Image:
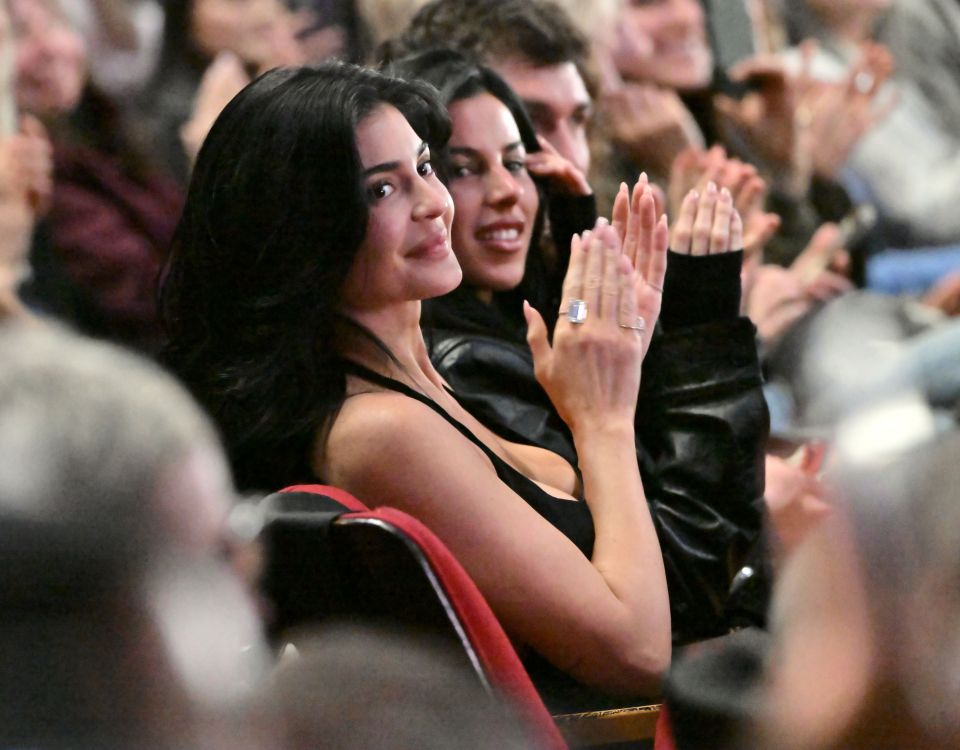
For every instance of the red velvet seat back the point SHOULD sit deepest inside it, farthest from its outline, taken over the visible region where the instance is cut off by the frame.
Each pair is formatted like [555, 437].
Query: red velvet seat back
[389, 565]
[483, 637]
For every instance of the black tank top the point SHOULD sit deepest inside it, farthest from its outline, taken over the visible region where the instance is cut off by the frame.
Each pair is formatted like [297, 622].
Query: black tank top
[571, 518]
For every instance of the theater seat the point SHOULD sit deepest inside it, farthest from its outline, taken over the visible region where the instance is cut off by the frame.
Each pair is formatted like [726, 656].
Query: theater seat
[330, 557]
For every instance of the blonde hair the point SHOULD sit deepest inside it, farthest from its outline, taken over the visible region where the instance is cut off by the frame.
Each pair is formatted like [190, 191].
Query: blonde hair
[595, 19]
[387, 18]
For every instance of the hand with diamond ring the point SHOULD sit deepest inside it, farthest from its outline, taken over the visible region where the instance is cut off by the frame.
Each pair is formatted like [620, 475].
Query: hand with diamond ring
[592, 370]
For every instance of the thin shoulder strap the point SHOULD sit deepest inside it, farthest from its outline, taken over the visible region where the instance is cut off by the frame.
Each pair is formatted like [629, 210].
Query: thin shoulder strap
[365, 373]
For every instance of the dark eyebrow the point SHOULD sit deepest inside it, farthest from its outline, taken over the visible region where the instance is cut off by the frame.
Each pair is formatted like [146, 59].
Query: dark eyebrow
[390, 166]
[535, 108]
[467, 151]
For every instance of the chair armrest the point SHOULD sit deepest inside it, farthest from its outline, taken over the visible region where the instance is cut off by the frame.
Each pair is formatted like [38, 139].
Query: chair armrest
[608, 727]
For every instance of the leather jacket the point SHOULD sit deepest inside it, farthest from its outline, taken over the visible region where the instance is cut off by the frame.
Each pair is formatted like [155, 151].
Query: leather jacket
[701, 426]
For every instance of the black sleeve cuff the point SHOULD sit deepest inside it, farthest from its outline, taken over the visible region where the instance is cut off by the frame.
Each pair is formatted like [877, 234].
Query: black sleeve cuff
[701, 289]
[569, 215]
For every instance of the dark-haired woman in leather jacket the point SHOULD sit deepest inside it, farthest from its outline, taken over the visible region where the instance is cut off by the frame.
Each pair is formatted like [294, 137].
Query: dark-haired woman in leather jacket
[701, 421]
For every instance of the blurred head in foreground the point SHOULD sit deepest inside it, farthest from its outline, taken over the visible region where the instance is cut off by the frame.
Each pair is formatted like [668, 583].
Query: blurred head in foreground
[374, 689]
[101, 655]
[867, 646]
[120, 626]
[94, 436]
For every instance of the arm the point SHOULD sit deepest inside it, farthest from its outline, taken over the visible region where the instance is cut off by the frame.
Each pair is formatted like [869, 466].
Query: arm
[25, 186]
[605, 620]
[543, 590]
[703, 425]
[700, 427]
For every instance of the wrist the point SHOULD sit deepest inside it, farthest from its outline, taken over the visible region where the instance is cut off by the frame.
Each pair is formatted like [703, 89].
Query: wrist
[701, 289]
[594, 430]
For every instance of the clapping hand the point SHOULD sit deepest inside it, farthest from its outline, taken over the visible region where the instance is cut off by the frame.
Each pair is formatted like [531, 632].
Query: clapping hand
[592, 370]
[644, 238]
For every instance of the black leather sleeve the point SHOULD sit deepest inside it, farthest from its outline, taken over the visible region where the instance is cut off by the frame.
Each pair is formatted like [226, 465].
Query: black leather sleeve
[701, 428]
[702, 425]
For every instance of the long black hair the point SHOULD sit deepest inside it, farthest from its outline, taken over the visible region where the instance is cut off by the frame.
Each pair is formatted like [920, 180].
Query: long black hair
[456, 78]
[274, 217]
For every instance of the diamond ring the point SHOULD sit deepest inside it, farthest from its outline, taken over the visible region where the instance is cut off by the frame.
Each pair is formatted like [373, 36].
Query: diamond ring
[576, 311]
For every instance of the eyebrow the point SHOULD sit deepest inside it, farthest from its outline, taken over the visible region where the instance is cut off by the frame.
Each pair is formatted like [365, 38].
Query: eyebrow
[390, 166]
[467, 151]
[535, 107]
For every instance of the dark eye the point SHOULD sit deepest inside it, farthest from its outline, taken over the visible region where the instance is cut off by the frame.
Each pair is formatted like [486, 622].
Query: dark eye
[425, 168]
[580, 117]
[542, 122]
[379, 190]
[460, 170]
[515, 165]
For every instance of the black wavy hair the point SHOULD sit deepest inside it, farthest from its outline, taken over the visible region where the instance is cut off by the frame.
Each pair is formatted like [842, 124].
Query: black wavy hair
[273, 220]
[457, 77]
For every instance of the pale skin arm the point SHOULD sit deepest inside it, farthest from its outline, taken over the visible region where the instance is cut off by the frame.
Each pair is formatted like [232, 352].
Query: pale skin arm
[25, 187]
[604, 620]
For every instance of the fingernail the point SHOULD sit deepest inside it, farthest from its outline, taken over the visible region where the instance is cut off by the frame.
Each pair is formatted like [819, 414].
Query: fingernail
[602, 221]
[623, 186]
[695, 194]
[725, 192]
[643, 177]
[711, 187]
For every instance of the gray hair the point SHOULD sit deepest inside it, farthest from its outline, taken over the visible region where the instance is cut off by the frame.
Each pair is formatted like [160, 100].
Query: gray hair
[87, 430]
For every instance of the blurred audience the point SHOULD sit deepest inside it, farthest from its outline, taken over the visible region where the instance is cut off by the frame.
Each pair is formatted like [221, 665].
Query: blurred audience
[908, 162]
[924, 38]
[98, 436]
[865, 647]
[98, 654]
[26, 170]
[375, 689]
[211, 48]
[122, 38]
[121, 625]
[113, 211]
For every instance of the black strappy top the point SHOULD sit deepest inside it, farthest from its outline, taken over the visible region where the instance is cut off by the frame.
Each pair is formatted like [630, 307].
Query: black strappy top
[572, 519]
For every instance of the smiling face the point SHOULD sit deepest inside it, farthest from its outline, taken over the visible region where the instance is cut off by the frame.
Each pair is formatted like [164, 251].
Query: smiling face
[495, 196]
[676, 53]
[405, 254]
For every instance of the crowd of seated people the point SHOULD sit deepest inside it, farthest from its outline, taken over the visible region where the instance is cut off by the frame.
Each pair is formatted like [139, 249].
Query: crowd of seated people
[658, 346]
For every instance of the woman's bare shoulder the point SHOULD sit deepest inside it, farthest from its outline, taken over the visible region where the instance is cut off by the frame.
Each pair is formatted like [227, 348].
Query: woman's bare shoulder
[378, 434]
